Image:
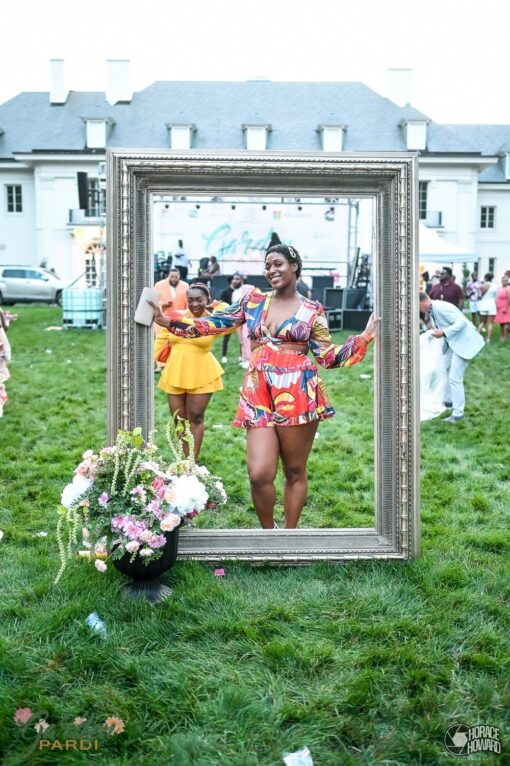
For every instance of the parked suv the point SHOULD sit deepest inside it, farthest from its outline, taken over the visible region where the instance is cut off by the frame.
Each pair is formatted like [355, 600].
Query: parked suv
[28, 284]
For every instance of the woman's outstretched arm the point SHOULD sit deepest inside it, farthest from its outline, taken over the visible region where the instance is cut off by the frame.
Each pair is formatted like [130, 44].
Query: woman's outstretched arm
[218, 323]
[328, 354]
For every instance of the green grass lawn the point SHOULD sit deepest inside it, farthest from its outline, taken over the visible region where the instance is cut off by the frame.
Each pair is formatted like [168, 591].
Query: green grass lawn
[365, 663]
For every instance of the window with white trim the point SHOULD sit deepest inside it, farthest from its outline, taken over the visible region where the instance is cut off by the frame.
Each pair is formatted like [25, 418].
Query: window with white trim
[422, 200]
[256, 137]
[487, 216]
[13, 198]
[507, 166]
[96, 198]
[332, 138]
[179, 136]
[492, 265]
[97, 133]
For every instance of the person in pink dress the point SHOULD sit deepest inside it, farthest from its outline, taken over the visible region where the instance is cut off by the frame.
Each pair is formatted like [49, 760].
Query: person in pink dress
[503, 307]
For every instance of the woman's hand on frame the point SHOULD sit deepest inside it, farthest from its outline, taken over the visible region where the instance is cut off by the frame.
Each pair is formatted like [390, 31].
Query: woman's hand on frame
[159, 317]
[372, 325]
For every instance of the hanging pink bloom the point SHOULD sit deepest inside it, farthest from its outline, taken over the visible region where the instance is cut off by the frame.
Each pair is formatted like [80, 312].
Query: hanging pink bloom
[100, 565]
[103, 499]
[157, 483]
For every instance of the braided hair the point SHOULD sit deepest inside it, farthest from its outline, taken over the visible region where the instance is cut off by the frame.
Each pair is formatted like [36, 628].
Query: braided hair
[290, 254]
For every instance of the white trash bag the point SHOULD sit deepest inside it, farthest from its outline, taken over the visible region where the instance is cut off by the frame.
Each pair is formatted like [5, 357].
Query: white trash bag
[432, 376]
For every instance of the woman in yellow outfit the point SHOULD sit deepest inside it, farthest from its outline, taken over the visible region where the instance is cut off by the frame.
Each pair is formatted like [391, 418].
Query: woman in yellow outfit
[191, 374]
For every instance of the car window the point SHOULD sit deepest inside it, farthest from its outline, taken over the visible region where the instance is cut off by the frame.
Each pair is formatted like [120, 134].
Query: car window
[14, 273]
[30, 274]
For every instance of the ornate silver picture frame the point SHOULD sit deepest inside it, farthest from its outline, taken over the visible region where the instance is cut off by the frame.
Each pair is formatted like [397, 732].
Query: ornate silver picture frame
[390, 179]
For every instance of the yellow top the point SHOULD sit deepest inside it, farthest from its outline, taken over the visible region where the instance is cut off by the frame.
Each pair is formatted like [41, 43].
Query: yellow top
[191, 364]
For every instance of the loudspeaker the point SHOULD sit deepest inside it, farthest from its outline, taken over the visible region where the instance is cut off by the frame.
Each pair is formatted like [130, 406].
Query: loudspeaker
[83, 191]
[355, 319]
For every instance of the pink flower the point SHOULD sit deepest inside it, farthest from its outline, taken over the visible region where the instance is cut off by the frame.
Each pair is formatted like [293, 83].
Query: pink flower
[161, 491]
[219, 573]
[132, 546]
[146, 536]
[103, 499]
[100, 565]
[78, 721]
[169, 522]
[192, 514]
[84, 503]
[118, 522]
[157, 483]
[170, 494]
[157, 541]
[22, 715]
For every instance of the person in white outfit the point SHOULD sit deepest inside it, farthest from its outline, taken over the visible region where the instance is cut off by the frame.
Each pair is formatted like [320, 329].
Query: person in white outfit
[487, 306]
[461, 342]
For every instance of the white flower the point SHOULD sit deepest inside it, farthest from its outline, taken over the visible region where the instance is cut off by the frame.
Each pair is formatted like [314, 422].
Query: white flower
[188, 494]
[221, 491]
[146, 552]
[202, 470]
[169, 522]
[85, 533]
[88, 454]
[74, 490]
[132, 546]
[1, 534]
[100, 565]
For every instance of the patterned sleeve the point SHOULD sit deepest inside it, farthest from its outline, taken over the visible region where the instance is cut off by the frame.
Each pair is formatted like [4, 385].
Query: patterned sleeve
[218, 323]
[327, 353]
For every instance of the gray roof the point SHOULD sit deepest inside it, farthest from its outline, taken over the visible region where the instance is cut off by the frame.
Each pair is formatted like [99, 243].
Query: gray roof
[219, 109]
[493, 140]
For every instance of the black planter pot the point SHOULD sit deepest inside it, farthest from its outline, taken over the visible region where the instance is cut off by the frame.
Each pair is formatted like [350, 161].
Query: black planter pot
[145, 577]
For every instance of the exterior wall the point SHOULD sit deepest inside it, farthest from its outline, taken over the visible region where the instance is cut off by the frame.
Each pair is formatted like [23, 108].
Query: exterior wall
[62, 245]
[17, 230]
[494, 243]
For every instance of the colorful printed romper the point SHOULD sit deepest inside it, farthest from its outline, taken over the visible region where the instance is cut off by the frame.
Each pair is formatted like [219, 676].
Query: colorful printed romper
[280, 387]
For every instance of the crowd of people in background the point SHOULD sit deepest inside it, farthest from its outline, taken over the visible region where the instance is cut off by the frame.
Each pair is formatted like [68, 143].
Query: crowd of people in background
[488, 303]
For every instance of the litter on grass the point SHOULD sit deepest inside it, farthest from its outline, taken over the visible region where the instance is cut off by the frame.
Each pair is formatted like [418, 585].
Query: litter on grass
[301, 757]
[364, 376]
[219, 573]
[54, 328]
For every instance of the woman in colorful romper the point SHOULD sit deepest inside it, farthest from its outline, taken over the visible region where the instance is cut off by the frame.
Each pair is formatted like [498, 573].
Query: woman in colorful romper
[282, 398]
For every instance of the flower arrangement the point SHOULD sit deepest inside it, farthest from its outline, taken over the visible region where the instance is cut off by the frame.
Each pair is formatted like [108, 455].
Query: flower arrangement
[123, 499]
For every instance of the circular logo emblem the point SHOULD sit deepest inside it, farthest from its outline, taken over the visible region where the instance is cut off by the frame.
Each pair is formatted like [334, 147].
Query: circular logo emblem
[456, 739]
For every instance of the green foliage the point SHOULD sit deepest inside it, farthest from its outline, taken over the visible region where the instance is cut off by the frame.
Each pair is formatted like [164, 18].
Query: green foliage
[365, 663]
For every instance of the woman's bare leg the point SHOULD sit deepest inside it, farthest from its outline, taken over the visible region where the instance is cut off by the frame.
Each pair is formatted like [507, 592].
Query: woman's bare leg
[177, 406]
[490, 325]
[504, 332]
[483, 322]
[196, 405]
[295, 445]
[262, 453]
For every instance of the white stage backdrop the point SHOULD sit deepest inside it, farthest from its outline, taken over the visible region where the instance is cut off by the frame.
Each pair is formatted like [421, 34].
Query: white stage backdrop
[238, 233]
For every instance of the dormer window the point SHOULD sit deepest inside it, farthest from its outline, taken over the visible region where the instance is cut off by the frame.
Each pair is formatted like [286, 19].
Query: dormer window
[98, 131]
[180, 136]
[507, 166]
[416, 134]
[256, 137]
[332, 137]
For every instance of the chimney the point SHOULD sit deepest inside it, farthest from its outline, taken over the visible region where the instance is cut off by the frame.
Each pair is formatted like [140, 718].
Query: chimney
[117, 81]
[58, 92]
[399, 85]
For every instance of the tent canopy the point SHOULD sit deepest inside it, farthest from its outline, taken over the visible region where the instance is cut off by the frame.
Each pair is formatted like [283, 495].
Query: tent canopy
[434, 249]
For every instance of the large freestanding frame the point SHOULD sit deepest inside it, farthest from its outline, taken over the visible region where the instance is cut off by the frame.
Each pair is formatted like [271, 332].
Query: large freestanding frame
[390, 179]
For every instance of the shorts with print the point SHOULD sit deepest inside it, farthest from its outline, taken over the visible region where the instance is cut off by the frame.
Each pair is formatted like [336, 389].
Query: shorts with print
[281, 389]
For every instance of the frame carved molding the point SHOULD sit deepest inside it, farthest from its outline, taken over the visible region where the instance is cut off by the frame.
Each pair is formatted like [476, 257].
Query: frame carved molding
[390, 179]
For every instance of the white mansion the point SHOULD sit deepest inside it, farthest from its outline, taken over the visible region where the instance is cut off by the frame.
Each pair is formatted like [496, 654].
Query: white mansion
[47, 139]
